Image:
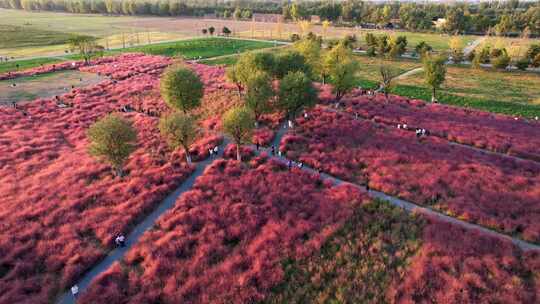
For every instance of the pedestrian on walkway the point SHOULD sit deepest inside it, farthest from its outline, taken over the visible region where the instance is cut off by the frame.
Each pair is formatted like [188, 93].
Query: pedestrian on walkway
[75, 290]
[257, 145]
[273, 150]
[211, 152]
[120, 240]
[289, 165]
[216, 149]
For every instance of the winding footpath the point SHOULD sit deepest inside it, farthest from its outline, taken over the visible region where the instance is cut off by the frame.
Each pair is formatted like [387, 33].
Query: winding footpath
[132, 238]
[409, 206]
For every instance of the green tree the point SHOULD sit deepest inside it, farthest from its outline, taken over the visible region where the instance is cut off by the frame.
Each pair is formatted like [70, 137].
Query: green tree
[112, 139]
[181, 88]
[86, 46]
[290, 61]
[342, 78]
[311, 50]
[180, 130]
[238, 123]
[259, 92]
[226, 31]
[434, 72]
[211, 30]
[248, 64]
[237, 14]
[422, 48]
[504, 25]
[296, 92]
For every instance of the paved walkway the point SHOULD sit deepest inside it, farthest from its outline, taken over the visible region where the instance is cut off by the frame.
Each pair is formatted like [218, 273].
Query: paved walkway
[118, 253]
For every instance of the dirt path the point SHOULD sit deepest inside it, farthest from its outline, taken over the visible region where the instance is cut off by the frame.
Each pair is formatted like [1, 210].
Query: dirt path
[132, 238]
[408, 73]
[468, 49]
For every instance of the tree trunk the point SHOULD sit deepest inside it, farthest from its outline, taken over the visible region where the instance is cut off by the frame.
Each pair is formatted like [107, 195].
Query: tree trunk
[188, 157]
[238, 156]
[433, 99]
[119, 172]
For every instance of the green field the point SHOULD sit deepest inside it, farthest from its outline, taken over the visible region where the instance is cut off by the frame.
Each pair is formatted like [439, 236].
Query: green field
[44, 85]
[369, 67]
[198, 48]
[189, 49]
[513, 87]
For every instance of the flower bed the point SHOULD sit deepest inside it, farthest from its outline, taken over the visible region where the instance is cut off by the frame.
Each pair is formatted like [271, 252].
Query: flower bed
[496, 132]
[225, 240]
[383, 255]
[60, 208]
[455, 265]
[493, 191]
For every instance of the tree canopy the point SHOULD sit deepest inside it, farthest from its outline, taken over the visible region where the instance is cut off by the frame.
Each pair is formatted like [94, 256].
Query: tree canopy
[112, 139]
[434, 72]
[181, 88]
[180, 130]
[296, 92]
[259, 92]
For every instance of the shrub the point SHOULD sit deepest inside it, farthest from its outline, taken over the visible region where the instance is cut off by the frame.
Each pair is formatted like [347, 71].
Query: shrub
[522, 64]
[501, 62]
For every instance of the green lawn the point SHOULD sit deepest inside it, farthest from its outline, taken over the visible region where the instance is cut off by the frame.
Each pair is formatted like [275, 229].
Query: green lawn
[193, 48]
[369, 67]
[11, 66]
[490, 105]
[513, 87]
[221, 61]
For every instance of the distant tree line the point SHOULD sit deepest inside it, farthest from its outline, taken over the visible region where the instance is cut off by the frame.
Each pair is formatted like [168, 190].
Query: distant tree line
[504, 17]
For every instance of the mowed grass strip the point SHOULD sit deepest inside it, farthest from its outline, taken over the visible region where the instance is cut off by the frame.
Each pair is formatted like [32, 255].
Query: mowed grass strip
[198, 48]
[12, 66]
